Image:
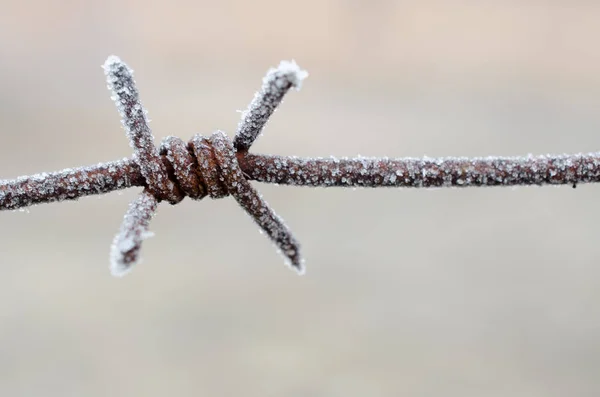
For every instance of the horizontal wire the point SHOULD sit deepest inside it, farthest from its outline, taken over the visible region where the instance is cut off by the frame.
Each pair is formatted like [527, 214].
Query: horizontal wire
[423, 172]
[218, 166]
[71, 184]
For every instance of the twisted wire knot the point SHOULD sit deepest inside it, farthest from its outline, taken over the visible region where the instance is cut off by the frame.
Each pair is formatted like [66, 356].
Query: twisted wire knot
[204, 166]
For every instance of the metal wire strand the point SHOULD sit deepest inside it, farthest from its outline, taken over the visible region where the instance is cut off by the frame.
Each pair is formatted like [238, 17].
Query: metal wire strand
[217, 166]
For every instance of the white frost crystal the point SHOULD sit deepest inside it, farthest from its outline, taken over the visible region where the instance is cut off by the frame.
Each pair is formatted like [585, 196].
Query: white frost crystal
[275, 85]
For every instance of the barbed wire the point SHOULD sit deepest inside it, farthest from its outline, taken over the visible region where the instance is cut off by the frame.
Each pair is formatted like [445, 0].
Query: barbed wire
[217, 166]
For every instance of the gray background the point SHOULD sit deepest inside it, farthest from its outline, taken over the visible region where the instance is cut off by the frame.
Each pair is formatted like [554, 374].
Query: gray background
[424, 292]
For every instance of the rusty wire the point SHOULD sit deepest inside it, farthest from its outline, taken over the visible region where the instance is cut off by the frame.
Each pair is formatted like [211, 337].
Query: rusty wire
[217, 166]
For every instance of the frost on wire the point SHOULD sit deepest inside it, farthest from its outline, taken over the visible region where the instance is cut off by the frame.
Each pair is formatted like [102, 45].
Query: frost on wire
[423, 172]
[217, 167]
[69, 184]
[124, 252]
[275, 85]
[251, 201]
[205, 166]
[134, 119]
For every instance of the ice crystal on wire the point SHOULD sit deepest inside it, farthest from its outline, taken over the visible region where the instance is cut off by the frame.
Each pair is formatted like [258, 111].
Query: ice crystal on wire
[253, 203]
[68, 184]
[214, 171]
[275, 85]
[134, 119]
[124, 252]
[424, 172]
[218, 167]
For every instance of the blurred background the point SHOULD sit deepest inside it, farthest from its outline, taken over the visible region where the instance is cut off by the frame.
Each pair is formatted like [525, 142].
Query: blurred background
[408, 292]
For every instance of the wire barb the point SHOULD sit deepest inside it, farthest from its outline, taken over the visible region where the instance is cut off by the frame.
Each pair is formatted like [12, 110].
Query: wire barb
[204, 166]
[276, 84]
[124, 252]
[217, 166]
[133, 117]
